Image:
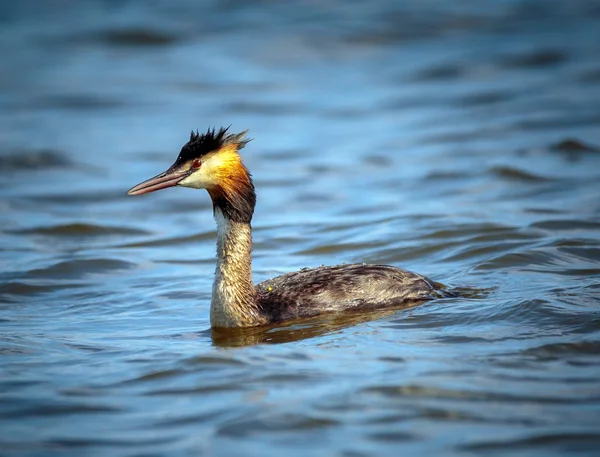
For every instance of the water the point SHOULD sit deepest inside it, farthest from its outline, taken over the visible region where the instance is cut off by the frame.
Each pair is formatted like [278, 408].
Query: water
[460, 140]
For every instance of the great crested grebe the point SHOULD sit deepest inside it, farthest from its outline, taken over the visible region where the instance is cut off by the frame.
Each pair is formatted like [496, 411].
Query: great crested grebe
[211, 161]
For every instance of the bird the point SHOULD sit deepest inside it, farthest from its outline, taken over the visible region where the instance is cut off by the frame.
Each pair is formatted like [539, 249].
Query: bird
[212, 161]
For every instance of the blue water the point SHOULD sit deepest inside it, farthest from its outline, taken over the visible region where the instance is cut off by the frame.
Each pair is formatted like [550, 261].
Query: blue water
[460, 140]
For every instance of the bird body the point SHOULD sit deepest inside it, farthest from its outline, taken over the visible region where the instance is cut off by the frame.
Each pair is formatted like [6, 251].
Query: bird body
[211, 161]
[353, 287]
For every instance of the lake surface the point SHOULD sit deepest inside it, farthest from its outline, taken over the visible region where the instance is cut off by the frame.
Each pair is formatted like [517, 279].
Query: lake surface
[460, 140]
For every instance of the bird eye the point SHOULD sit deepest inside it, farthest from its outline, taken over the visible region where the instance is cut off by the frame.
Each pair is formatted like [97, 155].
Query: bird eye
[197, 163]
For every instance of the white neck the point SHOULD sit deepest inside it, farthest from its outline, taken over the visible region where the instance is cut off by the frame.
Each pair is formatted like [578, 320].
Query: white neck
[233, 300]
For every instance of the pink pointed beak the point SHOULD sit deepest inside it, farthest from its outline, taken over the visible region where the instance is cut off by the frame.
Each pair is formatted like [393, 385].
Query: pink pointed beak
[164, 180]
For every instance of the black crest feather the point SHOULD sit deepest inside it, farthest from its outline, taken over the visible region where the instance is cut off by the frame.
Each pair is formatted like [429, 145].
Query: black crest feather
[201, 144]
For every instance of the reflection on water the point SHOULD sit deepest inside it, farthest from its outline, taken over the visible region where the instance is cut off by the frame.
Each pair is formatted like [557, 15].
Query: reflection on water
[296, 331]
[460, 140]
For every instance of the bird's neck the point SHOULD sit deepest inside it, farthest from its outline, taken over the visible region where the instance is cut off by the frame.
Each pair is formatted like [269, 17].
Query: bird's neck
[233, 300]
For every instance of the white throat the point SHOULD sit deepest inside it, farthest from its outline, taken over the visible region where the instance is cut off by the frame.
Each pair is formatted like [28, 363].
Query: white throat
[233, 297]
[223, 227]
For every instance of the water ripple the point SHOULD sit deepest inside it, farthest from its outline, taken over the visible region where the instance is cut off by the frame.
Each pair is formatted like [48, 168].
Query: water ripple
[79, 229]
[75, 269]
[28, 160]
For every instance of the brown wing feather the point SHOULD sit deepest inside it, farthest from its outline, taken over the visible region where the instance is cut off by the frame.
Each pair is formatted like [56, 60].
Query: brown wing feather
[314, 291]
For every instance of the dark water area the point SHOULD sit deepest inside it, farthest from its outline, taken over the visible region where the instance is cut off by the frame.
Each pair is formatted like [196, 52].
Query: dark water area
[459, 139]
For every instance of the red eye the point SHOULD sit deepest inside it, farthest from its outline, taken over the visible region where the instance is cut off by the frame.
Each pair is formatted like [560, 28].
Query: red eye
[197, 163]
